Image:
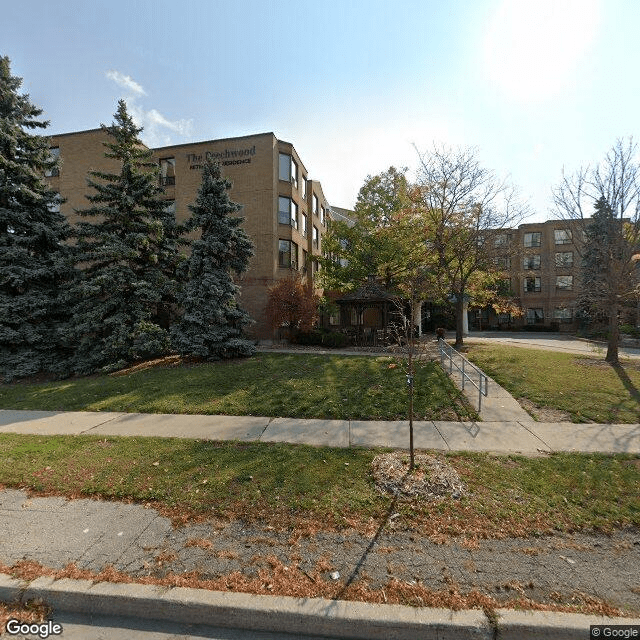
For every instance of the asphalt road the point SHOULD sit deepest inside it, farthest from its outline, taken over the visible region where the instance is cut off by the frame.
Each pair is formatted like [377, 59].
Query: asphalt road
[549, 341]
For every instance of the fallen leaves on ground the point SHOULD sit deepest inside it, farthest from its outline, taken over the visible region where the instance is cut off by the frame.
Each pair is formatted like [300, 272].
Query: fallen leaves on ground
[289, 580]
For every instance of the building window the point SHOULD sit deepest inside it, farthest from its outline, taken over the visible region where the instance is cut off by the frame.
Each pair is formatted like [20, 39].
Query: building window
[334, 319]
[535, 316]
[304, 225]
[532, 285]
[564, 258]
[322, 214]
[533, 239]
[564, 282]
[303, 187]
[531, 262]
[303, 266]
[170, 207]
[316, 237]
[167, 171]
[287, 254]
[284, 167]
[315, 204]
[287, 169]
[287, 212]
[54, 154]
[500, 240]
[502, 262]
[356, 317]
[562, 236]
[504, 287]
[563, 314]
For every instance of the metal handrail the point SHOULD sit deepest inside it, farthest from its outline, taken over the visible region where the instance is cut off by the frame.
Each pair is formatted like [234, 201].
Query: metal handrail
[483, 382]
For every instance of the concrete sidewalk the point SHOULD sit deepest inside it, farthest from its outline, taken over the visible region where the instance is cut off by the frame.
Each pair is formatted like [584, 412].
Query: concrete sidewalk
[507, 436]
[94, 533]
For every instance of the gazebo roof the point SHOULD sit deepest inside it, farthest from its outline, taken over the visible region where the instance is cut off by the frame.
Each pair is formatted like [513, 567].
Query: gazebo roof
[368, 292]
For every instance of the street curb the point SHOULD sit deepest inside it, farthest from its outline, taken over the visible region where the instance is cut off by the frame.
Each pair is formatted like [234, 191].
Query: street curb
[533, 625]
[335, 618]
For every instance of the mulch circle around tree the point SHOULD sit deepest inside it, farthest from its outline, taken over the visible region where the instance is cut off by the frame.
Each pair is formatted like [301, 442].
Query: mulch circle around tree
[432, 479]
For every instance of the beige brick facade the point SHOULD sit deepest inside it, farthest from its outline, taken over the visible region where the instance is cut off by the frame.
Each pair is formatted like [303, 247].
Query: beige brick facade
[267, 175]
[543, 261]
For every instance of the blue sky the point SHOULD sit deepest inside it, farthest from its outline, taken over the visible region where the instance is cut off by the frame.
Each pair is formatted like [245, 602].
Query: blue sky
[534, 85]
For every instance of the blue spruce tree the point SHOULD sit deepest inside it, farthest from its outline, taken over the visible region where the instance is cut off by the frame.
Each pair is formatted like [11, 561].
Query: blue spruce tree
[34, 259]
[126, 255]
[212, 323]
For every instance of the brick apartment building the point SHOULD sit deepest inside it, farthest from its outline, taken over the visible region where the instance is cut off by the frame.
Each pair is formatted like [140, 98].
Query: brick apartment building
[285, 212]
[543, 263]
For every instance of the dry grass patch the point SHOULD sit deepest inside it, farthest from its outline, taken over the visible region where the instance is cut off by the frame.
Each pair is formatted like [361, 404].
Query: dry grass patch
[276, 578]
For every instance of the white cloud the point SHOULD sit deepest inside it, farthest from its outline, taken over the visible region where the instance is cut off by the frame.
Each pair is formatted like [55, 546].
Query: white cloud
[126, 82]
[157, 128]
[532, 49]
[154, 125]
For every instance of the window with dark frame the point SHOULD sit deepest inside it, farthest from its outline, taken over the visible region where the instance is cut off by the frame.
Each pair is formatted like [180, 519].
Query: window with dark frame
[533, 239]
[562, 236]
[564, 314]
[167, 171]
[287, 212]
[532, 285]
[54, 153]
[287, 254]
[535, 316]
[531, 262]
[564, 283]
[564, 258]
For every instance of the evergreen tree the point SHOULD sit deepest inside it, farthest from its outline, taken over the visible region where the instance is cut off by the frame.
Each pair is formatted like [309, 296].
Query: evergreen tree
[212, 324]
[126, 254]
[34, 259]
[597, 255]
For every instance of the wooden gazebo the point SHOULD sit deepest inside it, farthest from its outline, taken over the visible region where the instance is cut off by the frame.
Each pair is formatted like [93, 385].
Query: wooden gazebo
[365, 313]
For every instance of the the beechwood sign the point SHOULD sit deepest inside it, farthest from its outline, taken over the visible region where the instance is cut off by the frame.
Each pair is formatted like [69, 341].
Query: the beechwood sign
[225, 158]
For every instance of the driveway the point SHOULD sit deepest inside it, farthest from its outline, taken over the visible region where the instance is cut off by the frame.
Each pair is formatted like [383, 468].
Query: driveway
[549, 341]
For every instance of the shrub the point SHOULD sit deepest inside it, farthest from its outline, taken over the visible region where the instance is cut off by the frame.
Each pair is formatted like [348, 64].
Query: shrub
[335, 340]
[308, 337]
[630, 330]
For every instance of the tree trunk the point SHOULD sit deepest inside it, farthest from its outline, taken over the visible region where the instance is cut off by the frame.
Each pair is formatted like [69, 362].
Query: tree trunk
[459, 320]
[614, 336]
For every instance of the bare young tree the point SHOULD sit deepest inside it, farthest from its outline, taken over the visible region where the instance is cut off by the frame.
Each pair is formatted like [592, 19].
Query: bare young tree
[463, 207]
[611, 191]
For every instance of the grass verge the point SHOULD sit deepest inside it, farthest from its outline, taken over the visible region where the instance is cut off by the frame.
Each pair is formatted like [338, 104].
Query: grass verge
[301, 487]
[283, 385]
[587, 388]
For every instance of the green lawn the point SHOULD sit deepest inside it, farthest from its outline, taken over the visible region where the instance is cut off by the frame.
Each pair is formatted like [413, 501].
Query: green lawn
[586, 387]
[290, 485]
[281, 385]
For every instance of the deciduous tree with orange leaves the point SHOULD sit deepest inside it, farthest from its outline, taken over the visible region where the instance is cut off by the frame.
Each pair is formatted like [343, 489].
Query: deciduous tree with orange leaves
[292, 303]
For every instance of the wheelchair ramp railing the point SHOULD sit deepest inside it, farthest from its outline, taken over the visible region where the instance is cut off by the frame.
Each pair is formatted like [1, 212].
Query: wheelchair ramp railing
[467, 370]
